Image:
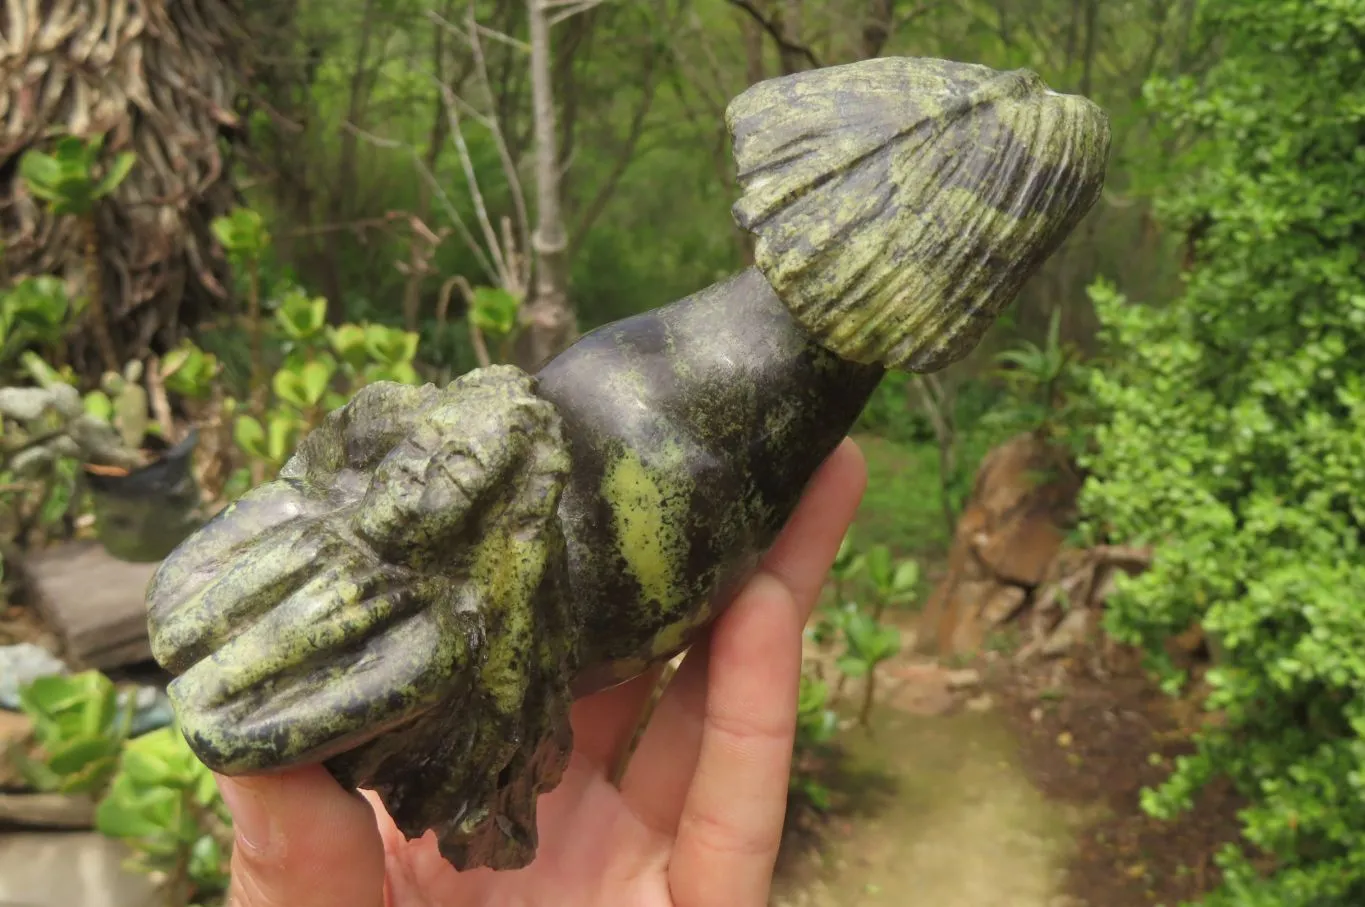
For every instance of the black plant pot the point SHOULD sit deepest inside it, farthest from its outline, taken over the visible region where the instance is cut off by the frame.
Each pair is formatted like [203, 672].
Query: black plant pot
[142, 515]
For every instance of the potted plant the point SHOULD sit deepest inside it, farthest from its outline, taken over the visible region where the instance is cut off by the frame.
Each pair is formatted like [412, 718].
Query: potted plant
[145, 496]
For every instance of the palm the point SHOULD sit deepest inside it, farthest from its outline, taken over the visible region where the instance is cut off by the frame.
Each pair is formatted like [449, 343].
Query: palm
[596, 846]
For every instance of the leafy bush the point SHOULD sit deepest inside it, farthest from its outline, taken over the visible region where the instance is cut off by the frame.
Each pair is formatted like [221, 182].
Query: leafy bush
[891, 414]
[151, 791]
[1233, 441]
[79, 726]
[817, 724]
[33, 313]
[323, 366]
[1044, 392]
[165, 805]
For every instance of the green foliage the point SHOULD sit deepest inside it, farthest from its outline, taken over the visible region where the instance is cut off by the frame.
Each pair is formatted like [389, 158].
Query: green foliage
[189, 371]
[68, 180]
[150, 791]
[122, 402]
[893, 583]
[322, 367]
[166, 806]
[1044, 391]
[816, 726]
[79, 727]
[1233, 440]
[494, 311]
[890, 414]
[33, 313]
[898, 506]
[866, 641]
[243, 236]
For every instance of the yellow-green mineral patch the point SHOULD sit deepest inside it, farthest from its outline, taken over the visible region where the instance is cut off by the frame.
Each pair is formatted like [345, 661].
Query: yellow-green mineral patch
[649, 506]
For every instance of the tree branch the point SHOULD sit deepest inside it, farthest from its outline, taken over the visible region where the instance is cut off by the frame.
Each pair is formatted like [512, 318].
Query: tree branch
[775, 32]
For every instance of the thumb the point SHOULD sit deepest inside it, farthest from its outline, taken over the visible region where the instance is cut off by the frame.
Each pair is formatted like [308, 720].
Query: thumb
[302, 841]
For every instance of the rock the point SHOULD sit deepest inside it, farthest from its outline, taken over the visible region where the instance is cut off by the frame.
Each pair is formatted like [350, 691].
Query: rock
[924, 693]
[964, 678]
[1001, 605]
[983, 703]
[1029, 489]
[22, 664]
[151, 709]
[82, 869]
[1005, 542]
[66, 811]
[1072, 631]
[14, 730]
[95, 603]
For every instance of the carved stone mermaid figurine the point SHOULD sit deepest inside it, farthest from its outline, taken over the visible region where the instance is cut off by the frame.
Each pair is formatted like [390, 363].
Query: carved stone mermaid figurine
[439, 571]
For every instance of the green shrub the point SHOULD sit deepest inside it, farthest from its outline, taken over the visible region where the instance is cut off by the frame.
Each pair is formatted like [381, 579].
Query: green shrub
[79, 727]
[1234, 440]
[150, 791]
[893, 412]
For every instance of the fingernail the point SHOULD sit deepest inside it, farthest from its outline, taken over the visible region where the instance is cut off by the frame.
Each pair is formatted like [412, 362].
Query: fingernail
[251, 818]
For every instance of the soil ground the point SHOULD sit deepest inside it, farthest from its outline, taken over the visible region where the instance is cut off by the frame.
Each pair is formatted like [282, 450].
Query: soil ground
[1023, 792]
[933, 811]
[1121, 734]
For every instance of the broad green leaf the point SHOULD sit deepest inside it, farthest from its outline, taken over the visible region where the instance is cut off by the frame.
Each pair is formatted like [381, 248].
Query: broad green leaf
[906, 579]
[116, 174]
[250, 436]
[348, 341]
[118, 817]
[879, 568]
[41, 174]
[300, 316]
[288, 386]
[145, 767]
[852, 666]
[494, 311]
[99, 406]
[283, 433]
[77, 755]
[315, 377]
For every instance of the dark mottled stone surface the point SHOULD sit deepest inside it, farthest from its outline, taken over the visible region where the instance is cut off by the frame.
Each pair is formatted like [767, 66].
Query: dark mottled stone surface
[693, 429]
[899, 204]
[433, 576]
[394, 605]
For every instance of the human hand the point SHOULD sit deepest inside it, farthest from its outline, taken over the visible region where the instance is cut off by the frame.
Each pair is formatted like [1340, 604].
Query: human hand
[695, 822]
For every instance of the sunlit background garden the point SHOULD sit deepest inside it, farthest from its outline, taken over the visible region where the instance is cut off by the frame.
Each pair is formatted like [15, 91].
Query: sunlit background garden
[1096, 636]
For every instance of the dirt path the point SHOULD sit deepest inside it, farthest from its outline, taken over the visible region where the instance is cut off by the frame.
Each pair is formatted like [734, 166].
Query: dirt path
[938, 813]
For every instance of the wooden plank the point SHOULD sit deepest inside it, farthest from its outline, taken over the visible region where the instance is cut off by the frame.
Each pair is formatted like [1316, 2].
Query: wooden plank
[95, 603]
[69, 811]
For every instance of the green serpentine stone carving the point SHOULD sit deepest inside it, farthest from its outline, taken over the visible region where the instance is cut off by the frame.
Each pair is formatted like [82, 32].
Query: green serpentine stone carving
[438, 572]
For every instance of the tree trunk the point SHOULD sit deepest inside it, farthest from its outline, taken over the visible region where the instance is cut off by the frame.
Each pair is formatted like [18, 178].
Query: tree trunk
[548, 317]
[791, 19]
[877, 27]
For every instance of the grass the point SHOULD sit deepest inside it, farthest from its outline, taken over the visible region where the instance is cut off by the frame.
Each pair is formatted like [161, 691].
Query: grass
[901, 506]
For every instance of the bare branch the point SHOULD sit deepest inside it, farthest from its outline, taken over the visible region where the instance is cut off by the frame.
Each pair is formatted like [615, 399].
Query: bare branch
[775, 31]
[161, 406]
[509, 166]
[469, 39]
[624, 156]
[570, 8]
[472, 181]
[435, 185]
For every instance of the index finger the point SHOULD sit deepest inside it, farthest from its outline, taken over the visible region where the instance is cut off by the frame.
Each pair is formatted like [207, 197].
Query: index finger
[731, 823]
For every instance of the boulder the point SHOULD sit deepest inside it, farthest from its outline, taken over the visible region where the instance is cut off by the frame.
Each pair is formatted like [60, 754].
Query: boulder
[1023, 499]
